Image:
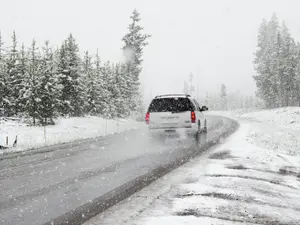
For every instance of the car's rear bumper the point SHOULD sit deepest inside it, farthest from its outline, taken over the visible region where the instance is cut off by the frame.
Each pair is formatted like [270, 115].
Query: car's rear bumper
[180, 130]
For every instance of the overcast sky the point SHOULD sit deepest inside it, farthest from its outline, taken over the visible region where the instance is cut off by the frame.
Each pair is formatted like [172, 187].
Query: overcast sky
[213, 39]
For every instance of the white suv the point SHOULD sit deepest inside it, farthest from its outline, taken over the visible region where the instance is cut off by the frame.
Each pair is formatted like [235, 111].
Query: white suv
[176, 112]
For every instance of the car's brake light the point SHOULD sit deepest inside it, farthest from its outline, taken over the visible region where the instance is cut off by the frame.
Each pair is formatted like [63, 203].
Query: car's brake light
[147, 118]
[193, 117]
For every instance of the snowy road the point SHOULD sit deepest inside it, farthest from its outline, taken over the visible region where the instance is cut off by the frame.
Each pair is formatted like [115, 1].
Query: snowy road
[38, 188]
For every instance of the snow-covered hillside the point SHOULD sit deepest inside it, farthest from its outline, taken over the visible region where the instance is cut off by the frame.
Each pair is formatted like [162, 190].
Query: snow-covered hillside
[280, 130]
[288, 117]
[65, 130]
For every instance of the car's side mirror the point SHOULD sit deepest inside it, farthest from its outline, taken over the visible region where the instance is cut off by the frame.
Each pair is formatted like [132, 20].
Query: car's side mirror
[204, 108]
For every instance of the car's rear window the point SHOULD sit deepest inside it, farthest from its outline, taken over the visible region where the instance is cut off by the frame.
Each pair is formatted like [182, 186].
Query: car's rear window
[171, 105]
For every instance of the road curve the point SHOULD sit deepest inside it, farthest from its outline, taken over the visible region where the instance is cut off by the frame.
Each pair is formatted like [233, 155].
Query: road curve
[76, 182]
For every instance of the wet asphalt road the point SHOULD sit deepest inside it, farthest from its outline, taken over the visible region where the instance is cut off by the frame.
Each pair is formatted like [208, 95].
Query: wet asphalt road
[37, 188]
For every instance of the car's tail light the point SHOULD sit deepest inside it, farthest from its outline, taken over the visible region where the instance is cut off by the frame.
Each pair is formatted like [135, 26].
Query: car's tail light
[147, 118]
[193, 117]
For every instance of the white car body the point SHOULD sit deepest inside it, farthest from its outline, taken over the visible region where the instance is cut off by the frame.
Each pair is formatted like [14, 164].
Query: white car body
[176, 112]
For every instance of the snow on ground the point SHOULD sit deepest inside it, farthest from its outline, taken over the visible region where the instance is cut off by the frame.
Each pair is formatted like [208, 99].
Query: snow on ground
[65, 130]
[279, 130]
[285, 138]
[250, 179]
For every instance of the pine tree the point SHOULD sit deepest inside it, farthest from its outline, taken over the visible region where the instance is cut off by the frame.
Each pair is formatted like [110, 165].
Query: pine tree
[116, 97]
[280, 75]
[11, 91]
[134, 43]
[19, 80]
[273, 58]
[260, 61]
[23, 74]
[113, 91]
[121, 93]
[287, 67]
[100, 83]
[73, 96]
[92, 94]
[64, 80]
[3, 78]
[31, 95]
[48, 88]
[108, 79]
[77, 95]
[293, 66]
[297, 76]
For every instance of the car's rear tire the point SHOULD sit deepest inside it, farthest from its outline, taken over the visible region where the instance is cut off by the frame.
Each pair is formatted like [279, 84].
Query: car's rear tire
[198, 132]
[199, 127]
[205, 127]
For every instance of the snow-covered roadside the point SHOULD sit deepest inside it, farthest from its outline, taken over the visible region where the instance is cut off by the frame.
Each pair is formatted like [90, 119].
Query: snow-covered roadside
[279, 130]
[243, 181]
[65, 130]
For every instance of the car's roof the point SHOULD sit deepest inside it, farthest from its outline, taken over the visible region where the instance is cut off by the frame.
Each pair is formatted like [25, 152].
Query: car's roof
[173, 96]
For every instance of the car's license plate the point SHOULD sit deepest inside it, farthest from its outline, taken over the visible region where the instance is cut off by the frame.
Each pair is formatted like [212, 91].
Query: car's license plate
[169, 117]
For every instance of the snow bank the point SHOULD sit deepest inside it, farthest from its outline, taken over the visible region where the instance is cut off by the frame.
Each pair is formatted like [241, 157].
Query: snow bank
[288, 117]
[279, 130]
[65, 130]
